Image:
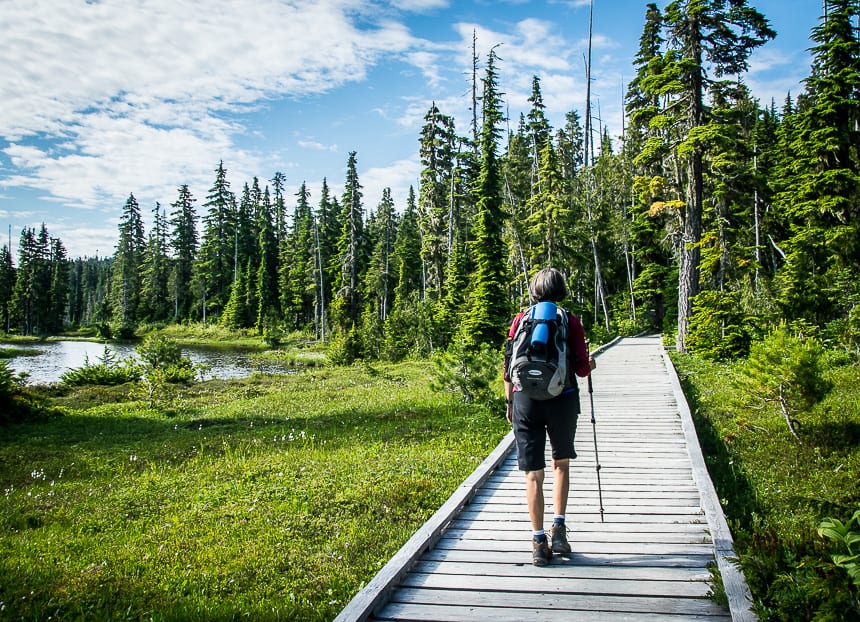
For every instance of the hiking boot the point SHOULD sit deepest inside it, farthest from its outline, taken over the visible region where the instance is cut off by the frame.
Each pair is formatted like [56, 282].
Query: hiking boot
[559, 539]
[541, 553]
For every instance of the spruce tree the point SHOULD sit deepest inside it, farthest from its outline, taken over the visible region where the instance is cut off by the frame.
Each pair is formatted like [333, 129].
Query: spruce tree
[538, 133]
[214, 266]
[821, 195]
[703, 36]
[266, 282]
[298, 257]
[155, 271]
[7, 285]
[126, 270]
[549, 213]
[59, 292]
[350, 248]
[183, 241]
[407, 252]
[31, 301]
[436, 151]
[380, 280]
[486, 322]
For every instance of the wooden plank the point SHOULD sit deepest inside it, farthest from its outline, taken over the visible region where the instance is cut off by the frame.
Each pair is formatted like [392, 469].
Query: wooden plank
[644, 529]
[632, 573]
[448, 613]
[577, 537]
[629, 548]
[559, 585]
[565, 602]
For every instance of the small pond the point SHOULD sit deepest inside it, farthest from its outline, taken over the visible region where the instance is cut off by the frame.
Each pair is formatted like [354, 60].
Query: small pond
[53, 358]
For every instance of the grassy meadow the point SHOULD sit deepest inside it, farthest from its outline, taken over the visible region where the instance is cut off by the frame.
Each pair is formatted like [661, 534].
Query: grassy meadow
[269, 498]
[776, 489]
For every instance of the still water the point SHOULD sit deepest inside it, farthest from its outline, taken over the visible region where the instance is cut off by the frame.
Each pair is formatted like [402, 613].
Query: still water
[56, 357]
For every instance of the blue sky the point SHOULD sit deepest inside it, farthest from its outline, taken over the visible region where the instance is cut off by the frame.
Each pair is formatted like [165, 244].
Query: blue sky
[102, 98]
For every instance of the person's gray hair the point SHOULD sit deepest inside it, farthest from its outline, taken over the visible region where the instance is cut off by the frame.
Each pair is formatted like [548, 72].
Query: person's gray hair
[548, 285]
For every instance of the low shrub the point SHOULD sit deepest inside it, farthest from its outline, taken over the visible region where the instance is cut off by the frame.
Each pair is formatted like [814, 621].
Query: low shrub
[108, 371]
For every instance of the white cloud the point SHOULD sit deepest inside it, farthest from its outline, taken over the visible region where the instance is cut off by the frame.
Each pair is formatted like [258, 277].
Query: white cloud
[138, 96]
[317, 146]
[420, 6]
[398, 177]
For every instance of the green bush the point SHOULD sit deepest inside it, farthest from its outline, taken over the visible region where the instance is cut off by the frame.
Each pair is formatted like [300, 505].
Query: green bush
[15, 406]
[108, 371]
[470, 374]
[719, 328]
[163, 361]
[784, 372]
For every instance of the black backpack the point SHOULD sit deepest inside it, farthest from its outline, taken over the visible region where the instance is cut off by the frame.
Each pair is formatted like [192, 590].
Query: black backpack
[538, 355]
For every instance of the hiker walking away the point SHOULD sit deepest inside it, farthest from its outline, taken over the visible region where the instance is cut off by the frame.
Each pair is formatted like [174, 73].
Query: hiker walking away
[536, 413]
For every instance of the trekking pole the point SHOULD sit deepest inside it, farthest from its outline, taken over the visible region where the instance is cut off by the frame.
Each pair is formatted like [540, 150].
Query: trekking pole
[594, 429]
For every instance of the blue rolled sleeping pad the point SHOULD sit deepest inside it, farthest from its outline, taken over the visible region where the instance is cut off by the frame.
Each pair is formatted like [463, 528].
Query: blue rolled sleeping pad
[542, 311]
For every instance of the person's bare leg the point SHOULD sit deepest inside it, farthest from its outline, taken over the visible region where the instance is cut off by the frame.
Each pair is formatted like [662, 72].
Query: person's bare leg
[560, 485]
[541, 553]
[560, 489]
[534, 497]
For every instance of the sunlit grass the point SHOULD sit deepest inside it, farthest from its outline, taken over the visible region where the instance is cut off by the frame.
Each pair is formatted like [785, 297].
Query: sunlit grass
[267, 498]
[776, 489]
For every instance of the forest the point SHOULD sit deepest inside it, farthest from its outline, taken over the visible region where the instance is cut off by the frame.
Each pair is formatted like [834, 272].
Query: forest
[716, 218]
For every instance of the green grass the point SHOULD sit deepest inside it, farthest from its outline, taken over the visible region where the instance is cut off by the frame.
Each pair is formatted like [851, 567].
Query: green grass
[775, 490]
[268, 498]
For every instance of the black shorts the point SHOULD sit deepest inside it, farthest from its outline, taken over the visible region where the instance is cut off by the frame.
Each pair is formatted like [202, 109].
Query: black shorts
[534, 420]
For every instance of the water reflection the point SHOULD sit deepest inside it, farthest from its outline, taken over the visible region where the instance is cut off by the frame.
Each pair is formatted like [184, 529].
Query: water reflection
[56, 357]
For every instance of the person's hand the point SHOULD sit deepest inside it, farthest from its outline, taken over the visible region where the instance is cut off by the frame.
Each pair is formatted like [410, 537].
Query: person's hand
[509, 413]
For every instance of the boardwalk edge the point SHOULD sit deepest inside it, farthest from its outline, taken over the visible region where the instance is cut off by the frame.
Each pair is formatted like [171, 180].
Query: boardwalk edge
[375, 594]
[737, 590]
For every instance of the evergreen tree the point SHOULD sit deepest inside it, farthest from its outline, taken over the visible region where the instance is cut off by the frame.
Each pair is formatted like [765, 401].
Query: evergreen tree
[350, 248]
[236, 314]
[279, 181]
[328, 232]
[7, 285]
[214, 266]
[549, 214]
[183, 241]
[31, 294]
[268, 309]
[436, 151]
[490, 308]
[820, 197]
[59, 292]
[155, 272]
[407, 252]
[517, 173]
[298, 257]
[701, 34]
[380, 281]
[127, 264]
[245, 238]
[539, 133]
[654, 227]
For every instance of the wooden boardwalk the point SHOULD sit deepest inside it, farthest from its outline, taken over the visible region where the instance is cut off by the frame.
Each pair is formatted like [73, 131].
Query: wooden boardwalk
[648, 560]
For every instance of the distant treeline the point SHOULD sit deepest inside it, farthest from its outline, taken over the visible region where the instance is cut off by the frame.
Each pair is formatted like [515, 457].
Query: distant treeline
[716, 219]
